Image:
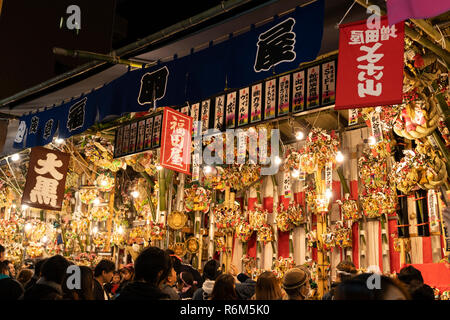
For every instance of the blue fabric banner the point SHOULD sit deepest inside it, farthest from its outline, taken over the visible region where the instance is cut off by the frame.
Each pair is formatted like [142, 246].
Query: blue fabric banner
[273, 48]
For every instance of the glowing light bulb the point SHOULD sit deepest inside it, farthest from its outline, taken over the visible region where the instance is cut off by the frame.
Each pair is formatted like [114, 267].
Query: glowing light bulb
[44, 239]
[295, 173]
[159, 167]
[135, 194]
[299, 135]
[372, 141]
[278, 160]
[339, 157]
[207, 169]
[96, 201]
[14, 206]
[28, 227]
[328, 193]
[120, 230]
[59, 140]
[95, 230]
[15, 157]
[104, 183]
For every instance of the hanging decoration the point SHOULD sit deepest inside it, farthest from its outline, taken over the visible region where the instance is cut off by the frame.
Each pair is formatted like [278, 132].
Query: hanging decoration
[157, 230]
[417, 118]
[197, 199]
[226, 219]
[244, 230]
[88, 195]
[281, 266]
[264, 234]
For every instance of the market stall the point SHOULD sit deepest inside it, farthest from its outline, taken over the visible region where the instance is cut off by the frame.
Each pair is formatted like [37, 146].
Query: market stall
[264, 176]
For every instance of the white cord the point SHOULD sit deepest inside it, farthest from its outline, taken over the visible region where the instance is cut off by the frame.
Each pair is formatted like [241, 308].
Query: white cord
[442, 40]
[345, 15]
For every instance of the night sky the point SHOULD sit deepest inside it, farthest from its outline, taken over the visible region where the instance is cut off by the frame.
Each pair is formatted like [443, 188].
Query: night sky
[30, 29]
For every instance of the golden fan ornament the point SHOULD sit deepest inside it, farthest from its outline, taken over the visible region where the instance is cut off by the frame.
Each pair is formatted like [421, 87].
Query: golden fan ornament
[177, 220]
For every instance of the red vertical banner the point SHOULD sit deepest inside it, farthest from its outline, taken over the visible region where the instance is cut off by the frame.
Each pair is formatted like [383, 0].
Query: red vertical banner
[176, 141]
[370, 68]
[394, 256]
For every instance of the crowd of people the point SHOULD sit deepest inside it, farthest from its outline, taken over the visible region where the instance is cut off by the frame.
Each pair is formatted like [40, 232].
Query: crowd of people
[160, 275]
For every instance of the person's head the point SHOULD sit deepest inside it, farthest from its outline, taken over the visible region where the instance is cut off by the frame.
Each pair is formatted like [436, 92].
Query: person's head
[268, 287]
[211, 270]
[345, 270]
[2, 253]
[104, 270]
[86, 289]
[24, 276]
[176, 261]
[38, 266]
[423, 292]
[127, 273]
[370, 286]
[116, 277]
[4, 268]
[296, 284]
[186, 282]
[242, 277]
[224, 288]
[11, 268]
[54, 269]
[410, 276]
[152, 266]
[171, 277]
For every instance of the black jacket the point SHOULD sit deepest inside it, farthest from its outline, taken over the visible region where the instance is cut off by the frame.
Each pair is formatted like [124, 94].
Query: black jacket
[330, 294]
[246, 290]
[10, 289]
[31, 283]
[141, 291]
[44, 290]
[99, 292]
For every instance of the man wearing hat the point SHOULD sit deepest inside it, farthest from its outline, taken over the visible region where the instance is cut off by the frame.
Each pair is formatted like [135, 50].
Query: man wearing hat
[296, 284]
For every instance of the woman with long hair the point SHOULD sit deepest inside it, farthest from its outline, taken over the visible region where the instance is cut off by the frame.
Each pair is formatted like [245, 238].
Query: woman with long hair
[224, 288]
[86, 291]
[268, 287]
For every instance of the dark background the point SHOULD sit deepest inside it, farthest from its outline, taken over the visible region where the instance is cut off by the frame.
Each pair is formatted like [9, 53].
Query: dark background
[29, 30]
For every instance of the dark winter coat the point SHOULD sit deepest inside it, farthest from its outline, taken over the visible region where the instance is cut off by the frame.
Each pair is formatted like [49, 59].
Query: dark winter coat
[246, 290]
[44, 290]
[99, 292]
[141, 291]
[10, 289]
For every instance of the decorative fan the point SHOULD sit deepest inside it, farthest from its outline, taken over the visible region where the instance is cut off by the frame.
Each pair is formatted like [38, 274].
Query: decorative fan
[177, 220]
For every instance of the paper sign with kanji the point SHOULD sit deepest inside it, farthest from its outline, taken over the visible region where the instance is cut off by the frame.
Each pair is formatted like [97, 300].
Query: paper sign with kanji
[370, 71]
[46, 179]
[176, 141]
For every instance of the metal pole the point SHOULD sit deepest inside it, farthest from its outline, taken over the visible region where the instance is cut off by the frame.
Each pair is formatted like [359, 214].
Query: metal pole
[98, 56]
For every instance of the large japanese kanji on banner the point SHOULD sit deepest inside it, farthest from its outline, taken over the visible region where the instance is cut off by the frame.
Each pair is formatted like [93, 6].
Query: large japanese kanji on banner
[176, 141]
[46, 179]
[370, 65]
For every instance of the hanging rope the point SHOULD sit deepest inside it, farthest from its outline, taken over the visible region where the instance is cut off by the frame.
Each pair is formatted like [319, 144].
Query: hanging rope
[345, 15]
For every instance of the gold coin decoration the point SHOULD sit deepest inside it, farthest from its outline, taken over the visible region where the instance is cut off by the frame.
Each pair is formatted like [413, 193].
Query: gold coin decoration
[177, 220]
[192, 245]
[180, 249]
